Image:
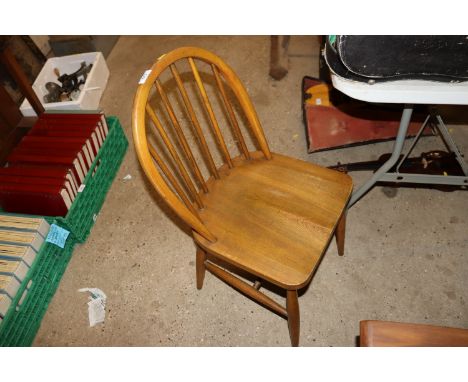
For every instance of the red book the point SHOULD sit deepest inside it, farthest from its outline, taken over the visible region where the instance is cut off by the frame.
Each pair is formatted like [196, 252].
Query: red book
[49, 200]
[87, 132]
[97, 119]
[55, 146]
[60, 172]
[92, 118]
[34, 180]
[28, 157]
[54, 152]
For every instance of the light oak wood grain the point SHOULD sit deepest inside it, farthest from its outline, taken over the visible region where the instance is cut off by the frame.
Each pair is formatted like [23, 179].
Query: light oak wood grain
[261, 212]
[274, 218]
[292, 306]
[387, 333]
[200, 267]
[340, 234]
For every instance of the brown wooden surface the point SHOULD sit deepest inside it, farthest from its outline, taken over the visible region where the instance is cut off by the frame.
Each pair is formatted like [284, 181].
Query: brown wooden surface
[386, 333]
[292, 306]
[200, 267]
[141, 109]
[340, 234]
[175, 156]
[274, 218]
[209, 110]
[229, 109]
[9, 141]
[172, 180]
[181, 136]
[267, 214]
[245, 288]
[13, 126]
[10, 63]
[194, 121]
[9, 110]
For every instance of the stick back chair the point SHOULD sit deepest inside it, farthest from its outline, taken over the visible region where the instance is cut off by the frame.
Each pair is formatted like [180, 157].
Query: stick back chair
[259, 212]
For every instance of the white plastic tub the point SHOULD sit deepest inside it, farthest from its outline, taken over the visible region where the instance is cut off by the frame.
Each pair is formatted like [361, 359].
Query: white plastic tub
[91, 91]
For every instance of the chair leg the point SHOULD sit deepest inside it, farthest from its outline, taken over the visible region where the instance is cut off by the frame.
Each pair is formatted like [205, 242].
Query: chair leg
[292, 306]
[340, 234]
[200, 267]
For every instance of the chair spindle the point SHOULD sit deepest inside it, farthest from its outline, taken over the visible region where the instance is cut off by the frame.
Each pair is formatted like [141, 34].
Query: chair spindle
[232, 117]
[195, 123]
[172, 180]
[183, 172]
[209, 109]
[181, 136]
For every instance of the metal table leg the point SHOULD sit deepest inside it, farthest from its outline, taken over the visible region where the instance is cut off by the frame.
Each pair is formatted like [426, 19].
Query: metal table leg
[384, 175]
[397, 149]
[448, 140]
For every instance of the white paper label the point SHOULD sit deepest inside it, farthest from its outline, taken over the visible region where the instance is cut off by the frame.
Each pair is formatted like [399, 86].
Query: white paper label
[96, 305]
[144, 76]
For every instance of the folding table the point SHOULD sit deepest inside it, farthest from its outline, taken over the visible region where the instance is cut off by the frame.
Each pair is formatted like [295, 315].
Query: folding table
[407, 92]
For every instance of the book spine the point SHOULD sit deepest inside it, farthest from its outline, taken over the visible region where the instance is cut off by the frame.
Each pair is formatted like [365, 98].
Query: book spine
[34, 240]
[5, 303]
[24, 224]
[17, 269]
[9, 286]
[26, 254]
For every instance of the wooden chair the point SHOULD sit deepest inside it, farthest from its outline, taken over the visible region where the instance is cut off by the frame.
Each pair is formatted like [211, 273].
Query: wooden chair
[260, 212]
[387, 333]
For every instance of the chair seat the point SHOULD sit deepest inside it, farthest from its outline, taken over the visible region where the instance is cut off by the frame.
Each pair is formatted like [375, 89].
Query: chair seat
[274, 218]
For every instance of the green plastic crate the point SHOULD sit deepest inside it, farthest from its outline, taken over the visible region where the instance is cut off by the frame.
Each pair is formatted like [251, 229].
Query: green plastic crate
[87, 204]
[83, 212]
[21, 323]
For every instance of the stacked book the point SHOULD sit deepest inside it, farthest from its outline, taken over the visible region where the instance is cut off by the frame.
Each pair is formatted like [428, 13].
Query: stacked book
[20, 240]
[45, 172]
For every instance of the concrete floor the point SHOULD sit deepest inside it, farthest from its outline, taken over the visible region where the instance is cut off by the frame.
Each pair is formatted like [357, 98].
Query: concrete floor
[406, 256]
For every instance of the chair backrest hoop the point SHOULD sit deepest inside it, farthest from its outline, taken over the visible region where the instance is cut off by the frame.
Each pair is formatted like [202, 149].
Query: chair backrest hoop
[139, 125]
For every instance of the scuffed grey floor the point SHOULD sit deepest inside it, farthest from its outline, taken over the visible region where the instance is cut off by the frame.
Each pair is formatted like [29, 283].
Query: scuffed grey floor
[406, 257]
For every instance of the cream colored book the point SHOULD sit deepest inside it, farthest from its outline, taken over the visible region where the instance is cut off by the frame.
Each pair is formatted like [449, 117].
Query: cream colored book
[25, 223]
[34, 239]
[72, 179]
[70, 190]
[99, 135]
[83, 164]
[17, 269]
[5, 303]
[9, 286]
[104, 124]
[16, 252]
[96, 144]
[101, 130]
[79, 170]
[90, 149]
[85, 151]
